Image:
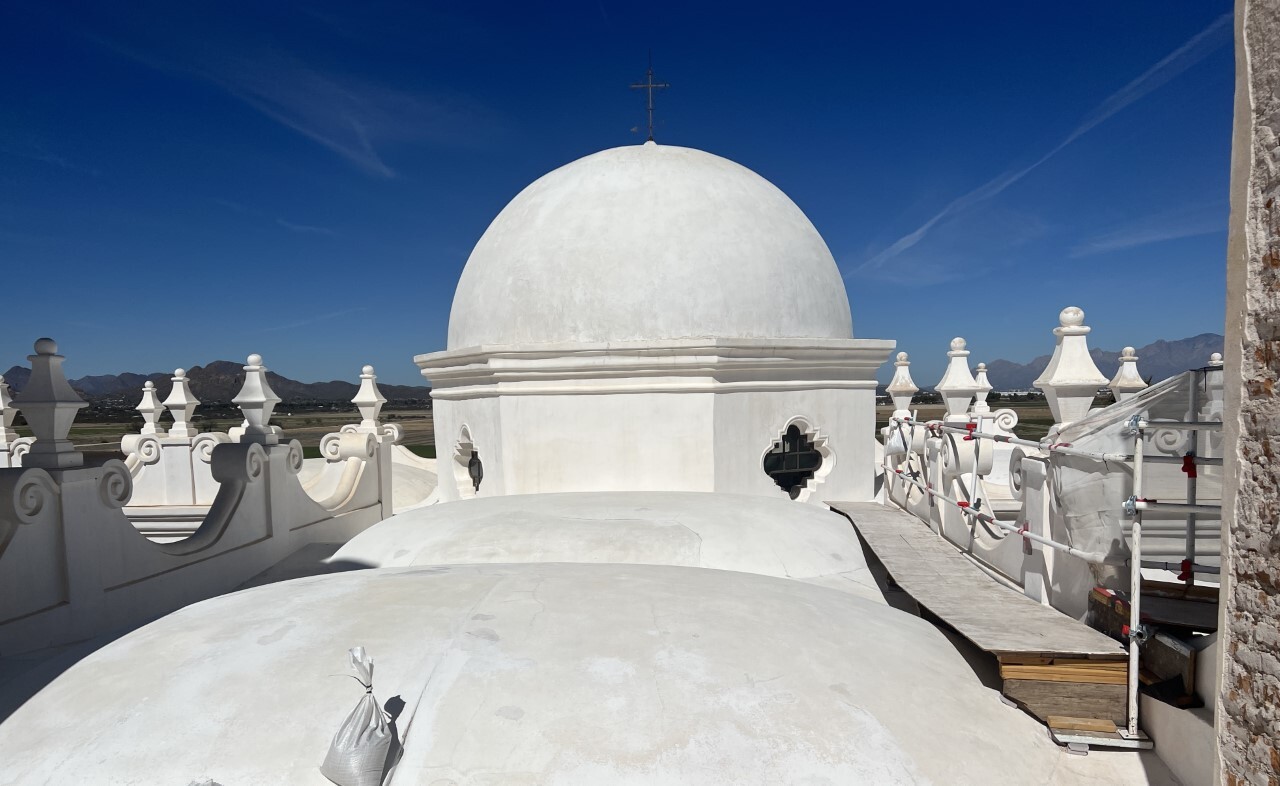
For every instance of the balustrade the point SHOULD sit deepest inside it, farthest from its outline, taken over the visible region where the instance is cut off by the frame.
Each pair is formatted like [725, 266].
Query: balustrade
[73, 565]
[971, 479]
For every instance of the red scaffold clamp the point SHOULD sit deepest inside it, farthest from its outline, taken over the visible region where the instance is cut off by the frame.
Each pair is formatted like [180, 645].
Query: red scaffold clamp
[1189, 465]
[969, 427]
[1186, 574]
[1026, 542]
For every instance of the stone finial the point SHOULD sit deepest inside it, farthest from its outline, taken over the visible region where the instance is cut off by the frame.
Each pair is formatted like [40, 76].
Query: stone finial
[1071, 380]
[369, 401]
[257, 401]
[901, 388]
[50, 406]
[1127, 381]
[1211, 405]
[182, 405]
[7, 434]
[151, 409]
[980, 406]
[957, 386]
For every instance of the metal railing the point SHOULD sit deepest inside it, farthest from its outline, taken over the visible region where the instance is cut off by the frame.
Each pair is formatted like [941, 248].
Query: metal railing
[1134, 507]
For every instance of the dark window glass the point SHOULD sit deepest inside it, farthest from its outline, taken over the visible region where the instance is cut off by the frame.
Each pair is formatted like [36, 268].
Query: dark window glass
[475, 469]
[792, 461]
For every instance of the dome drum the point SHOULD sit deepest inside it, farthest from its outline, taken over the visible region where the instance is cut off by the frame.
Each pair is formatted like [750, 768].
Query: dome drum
[652, 318]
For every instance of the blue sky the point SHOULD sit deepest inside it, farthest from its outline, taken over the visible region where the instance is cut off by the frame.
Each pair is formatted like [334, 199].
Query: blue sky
[184, 182]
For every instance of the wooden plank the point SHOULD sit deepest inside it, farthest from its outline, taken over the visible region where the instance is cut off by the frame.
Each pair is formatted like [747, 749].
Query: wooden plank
[1017, 659]
[1072, 699]
[1186, 613]
[1116, 665]
[1052, 674]
[1165, 657]
[1081, 724]
[994, 617]
[1165, 589]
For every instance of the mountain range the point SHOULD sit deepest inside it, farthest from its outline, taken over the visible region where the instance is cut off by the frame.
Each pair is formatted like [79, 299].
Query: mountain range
[1156, 361]
[217, 381]
[221, 379]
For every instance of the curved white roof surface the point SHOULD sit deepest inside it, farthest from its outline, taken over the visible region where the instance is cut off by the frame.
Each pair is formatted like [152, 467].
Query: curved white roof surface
[644, 243]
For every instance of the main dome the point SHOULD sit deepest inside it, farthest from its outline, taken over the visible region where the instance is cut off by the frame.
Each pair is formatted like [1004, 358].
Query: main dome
[648, 243]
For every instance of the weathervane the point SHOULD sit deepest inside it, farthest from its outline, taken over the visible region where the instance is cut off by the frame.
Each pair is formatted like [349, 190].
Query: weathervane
[649, 85]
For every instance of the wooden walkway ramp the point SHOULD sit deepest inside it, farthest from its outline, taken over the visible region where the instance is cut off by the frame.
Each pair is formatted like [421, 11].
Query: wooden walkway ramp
[1051, 664]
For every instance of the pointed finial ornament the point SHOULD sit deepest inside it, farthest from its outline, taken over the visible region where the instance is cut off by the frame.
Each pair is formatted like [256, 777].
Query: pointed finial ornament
[980, 406]
[50, 405]
[257, 401]
[1071, 380]
[369, 401]
[9, 412]
[1127, 381]
[182, 405]
[151, 409]
[902, 387]
[957, 386]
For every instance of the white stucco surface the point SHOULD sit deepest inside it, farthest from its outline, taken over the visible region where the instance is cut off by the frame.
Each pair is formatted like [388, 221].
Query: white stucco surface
[721, 531]
[648, 242]
[651, 318]
[540, 674]
[413, 482]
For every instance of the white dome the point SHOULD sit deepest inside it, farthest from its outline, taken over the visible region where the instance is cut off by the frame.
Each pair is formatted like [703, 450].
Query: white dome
[539, 673]
[771, 537]
[649, 243]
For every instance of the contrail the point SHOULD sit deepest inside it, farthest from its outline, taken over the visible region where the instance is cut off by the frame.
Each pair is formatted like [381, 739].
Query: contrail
[1182, 58]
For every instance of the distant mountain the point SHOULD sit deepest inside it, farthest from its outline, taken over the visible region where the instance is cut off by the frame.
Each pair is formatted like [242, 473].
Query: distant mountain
[218, 381]
[221, 379]
[1157, 361]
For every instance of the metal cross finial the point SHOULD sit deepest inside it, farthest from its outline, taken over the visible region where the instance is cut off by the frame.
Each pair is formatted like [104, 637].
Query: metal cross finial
[649, 85]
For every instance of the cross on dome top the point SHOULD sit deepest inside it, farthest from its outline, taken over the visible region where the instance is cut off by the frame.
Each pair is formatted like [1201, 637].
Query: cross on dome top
[649, 86]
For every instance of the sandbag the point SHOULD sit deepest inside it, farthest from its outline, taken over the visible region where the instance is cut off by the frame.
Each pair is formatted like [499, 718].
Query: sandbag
[358, 754]
[895, 445]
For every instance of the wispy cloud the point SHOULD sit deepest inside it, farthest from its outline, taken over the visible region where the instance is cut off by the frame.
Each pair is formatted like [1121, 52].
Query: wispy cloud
[312, 320]
[1193, 222]
[335, 115]
[305, 229]
[234, 206]
[352, 117]
[302, 229]
[1176, 62]
[46, 157]
[988, 243]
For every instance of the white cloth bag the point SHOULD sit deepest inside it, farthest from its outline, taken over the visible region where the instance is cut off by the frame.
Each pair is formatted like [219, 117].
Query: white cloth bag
[358, 754]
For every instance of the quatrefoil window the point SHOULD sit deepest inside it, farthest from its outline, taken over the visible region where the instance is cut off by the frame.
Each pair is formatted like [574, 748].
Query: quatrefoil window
[793, 461]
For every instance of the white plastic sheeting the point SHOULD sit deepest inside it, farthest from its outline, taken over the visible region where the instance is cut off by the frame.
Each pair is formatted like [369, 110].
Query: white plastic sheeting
[1089, 494]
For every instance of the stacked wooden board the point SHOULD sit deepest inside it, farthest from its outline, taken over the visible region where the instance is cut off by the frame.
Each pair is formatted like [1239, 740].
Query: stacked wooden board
[1050, 664]
[1049, 687]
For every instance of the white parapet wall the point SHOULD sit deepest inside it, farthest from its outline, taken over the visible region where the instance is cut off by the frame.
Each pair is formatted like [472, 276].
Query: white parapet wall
[72, 564]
